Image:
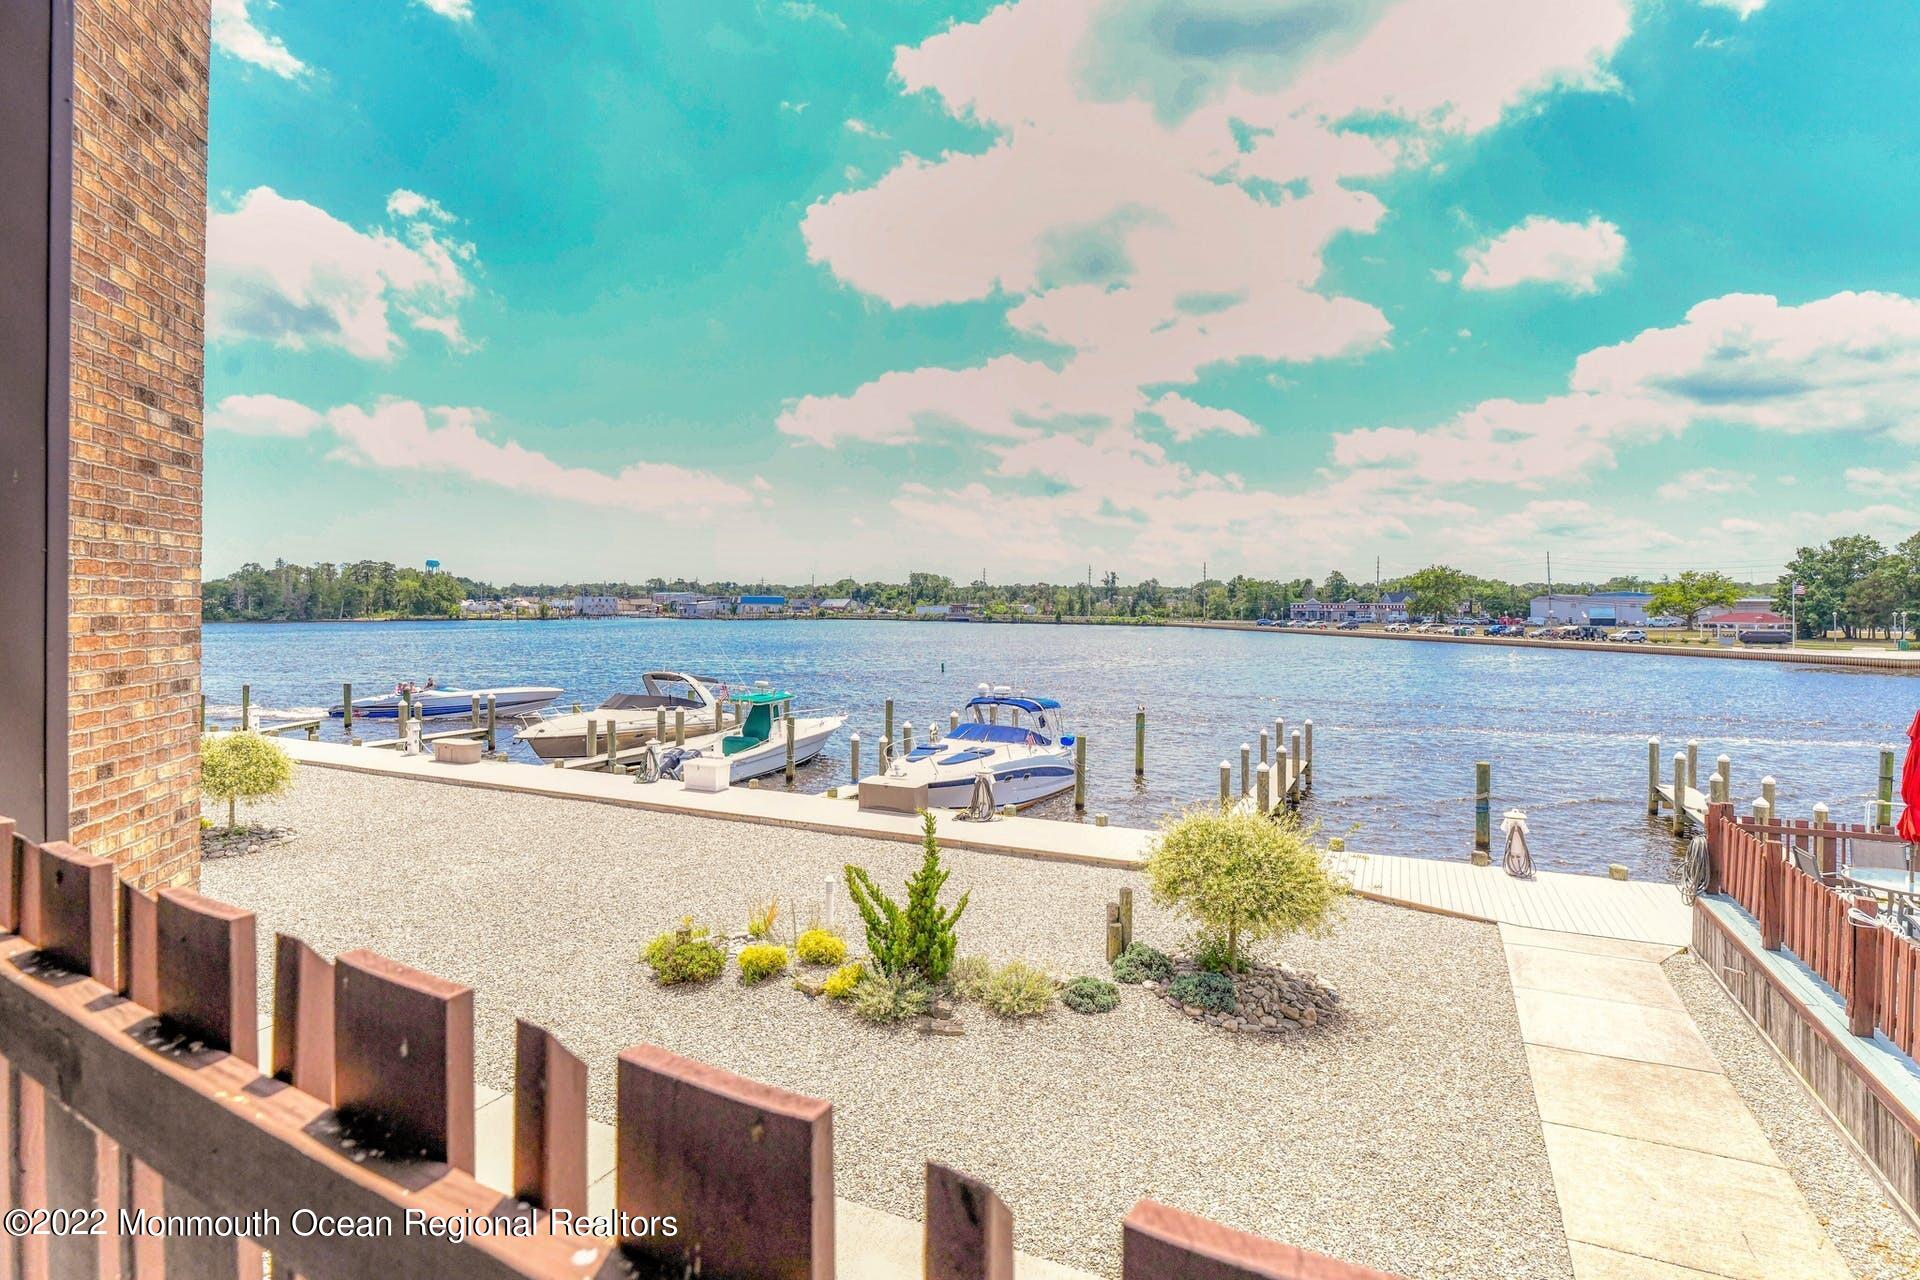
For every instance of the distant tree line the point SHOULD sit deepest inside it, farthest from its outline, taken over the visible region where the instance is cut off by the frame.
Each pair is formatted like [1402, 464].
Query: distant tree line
[1852, 584]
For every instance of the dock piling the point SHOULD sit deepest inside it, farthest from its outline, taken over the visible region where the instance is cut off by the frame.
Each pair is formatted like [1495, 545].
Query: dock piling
[593, 738]
[1306, 759]
[853, 744]
[493, 725]
[1226, 784]
[1246, 768]
[1823, 843]
[346, 708]
[246, 707]
[1762, 811]
[1693, 763]
[1653, 775]
[679, 727]
[1080, 773]
[473, 711]
[1263, 746]
[1483, 807]
[789, 720]
[886, 734]
[659, 724]
[1297, 754]
[1767, 787]
[1883, 811]
[1723, 770]
[1140, 742]
[1680, 773]
[906, 738]
[1263, 777]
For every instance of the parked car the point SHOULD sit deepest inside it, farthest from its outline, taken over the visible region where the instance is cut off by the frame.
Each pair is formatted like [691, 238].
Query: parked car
[1587, 633]
[1765, 637]
[1630, 635]
[1349, 625]
[1398, 628]
[1263, 622]
[1463, 630]
[1666, 620]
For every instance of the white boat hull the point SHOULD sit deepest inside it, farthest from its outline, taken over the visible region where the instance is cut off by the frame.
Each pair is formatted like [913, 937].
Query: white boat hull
[434, 704]
[1020, 777]
[809, 739]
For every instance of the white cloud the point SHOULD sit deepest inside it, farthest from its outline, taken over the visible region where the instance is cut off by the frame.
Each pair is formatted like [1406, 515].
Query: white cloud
[411, 204]
[856, 125]
[404, 435]
[1705, 481]
[234, 33]
[457, 10]
[1885, 480]
[287, 272]
[1744, 8]
[1187, 420]
[1845, 363]
[806, 11]
[1573, 255]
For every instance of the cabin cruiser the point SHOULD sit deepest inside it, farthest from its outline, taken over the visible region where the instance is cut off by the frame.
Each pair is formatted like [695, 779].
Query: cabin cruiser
[430, 702]
[635, 717]
[757, 747]
[1018, 741]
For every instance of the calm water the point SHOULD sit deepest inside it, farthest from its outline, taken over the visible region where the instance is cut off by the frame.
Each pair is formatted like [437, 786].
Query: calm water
[1397, 726]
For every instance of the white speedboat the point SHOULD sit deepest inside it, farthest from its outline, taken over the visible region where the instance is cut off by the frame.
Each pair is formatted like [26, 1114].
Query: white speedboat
[431, 704]
[634, 716]
[759, 744]
[1016, 740]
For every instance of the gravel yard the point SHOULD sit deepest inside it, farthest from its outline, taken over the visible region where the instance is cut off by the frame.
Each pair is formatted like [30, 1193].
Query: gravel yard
[1872, 1235]
[1401, 1134]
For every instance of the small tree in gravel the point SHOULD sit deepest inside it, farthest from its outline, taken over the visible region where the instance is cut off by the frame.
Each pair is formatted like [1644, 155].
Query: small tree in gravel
[918, 939]
[1243, 877]
[242, 766]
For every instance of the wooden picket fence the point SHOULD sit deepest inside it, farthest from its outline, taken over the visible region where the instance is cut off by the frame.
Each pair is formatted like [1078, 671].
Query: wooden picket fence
[1874, 970]
[130, 1079]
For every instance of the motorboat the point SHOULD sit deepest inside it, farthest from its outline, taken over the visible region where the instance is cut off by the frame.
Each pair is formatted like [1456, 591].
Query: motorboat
[758, 745]
[1019, 742]
[430, 703]
[635, 717]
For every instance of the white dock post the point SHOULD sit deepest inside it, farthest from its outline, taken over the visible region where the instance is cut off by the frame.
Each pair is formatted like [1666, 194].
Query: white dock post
[679, 726]
[1723, 770]
[1263, 746]
[1226, 784]
[853, 742]
[1762, 811]
[1280, 739]
[1767, 786]
[1246, 768]
[906, 738]
[1263, 777]
[1679, 792]
[1693, 763]
[1296, 751]
[953, 722]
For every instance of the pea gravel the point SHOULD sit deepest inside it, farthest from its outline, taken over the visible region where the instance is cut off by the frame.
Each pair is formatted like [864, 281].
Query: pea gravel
[1874, 1237]
[1401, 1134]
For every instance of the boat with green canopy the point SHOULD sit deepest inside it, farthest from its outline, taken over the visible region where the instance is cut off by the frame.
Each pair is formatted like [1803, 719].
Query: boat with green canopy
[757, 745]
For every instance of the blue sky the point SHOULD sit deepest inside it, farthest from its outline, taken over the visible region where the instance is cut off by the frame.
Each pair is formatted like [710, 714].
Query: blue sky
[801, 288]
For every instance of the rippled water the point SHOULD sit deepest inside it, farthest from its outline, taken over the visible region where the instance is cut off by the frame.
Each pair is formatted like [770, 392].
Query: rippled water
[1397, 725]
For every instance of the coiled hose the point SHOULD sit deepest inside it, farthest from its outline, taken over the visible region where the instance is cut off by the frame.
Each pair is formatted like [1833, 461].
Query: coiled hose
[1695, 870]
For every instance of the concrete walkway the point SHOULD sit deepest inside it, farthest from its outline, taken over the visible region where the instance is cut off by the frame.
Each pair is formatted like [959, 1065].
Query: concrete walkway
[1661, 1171]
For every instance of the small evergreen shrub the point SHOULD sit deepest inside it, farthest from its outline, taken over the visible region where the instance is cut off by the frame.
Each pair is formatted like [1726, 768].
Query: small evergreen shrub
[821, 947]
[880, 997]
[685, 955]
[841, 982]
[1090, 995]
[1018, 990]
[1210, 952]
[1210, 991]
[917, 939]
[970, 976]
[1142, 963]
[762, 961]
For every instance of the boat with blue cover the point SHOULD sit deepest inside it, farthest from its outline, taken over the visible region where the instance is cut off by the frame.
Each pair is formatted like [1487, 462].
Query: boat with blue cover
[1019, 742]
[430, 703]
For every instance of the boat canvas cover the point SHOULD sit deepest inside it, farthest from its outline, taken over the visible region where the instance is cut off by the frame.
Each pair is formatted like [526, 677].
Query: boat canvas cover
[974, 731]
[1025, 704]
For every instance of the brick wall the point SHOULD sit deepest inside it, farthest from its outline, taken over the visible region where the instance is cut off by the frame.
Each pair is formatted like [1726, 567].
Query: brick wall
[139, 271]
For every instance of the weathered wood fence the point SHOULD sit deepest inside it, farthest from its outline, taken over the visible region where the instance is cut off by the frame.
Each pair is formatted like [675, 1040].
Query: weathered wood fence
[131, 1080]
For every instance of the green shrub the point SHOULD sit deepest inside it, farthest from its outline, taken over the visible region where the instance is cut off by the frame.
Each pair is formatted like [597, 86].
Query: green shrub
[242, 766]
[841, 982]
[1142, 963]
[821, 947]
[761, 918]
[762, 961]
[970, 976]
[1018, 990]
[1090, 995]
[685, 955]
[1242, 876]
[1210, 952]
[917, 940]
[1212, 991]
[880, 997]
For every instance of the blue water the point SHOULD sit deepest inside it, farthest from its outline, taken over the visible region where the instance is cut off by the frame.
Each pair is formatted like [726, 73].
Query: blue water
[1397, 725]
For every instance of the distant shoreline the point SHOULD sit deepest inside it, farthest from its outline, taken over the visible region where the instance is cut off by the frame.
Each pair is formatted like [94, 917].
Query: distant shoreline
[1887, 660]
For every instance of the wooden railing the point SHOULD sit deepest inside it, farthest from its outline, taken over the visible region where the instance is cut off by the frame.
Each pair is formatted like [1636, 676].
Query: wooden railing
[130, 1084]
[1874, 970]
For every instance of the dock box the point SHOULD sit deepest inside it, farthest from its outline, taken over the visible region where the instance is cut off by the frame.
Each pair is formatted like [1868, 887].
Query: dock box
[887, 796]
[707, 773]
[457, 751]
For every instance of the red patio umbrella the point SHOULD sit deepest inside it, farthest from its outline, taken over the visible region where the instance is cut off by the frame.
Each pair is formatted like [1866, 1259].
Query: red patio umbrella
[1910, 785]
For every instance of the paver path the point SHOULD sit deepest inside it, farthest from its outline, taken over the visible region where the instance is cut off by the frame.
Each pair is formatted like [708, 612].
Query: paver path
[1661, 1170]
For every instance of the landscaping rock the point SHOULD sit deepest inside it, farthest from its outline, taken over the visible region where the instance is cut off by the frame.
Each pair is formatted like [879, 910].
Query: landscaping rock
[1268, 999]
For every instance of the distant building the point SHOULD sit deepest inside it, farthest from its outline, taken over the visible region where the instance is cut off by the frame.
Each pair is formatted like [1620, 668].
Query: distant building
[930, 610]
[1745, 604]
[668, 599]
[596, 606]
[839, 604]
[1735, 621]
[1391, 607]
[699, 607]
[1600, 609]
[558, 604]
[642, 607]
[965, 612]
[481, 608]
[759, 606]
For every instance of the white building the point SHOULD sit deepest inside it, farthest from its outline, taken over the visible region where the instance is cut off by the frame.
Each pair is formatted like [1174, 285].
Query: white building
[1600, 609]
[596, 606]
[1390, 608]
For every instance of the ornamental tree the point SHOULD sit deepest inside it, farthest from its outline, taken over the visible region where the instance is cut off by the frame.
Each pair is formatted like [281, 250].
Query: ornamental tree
[242, 766]
[917, 939]
[1242, 877]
